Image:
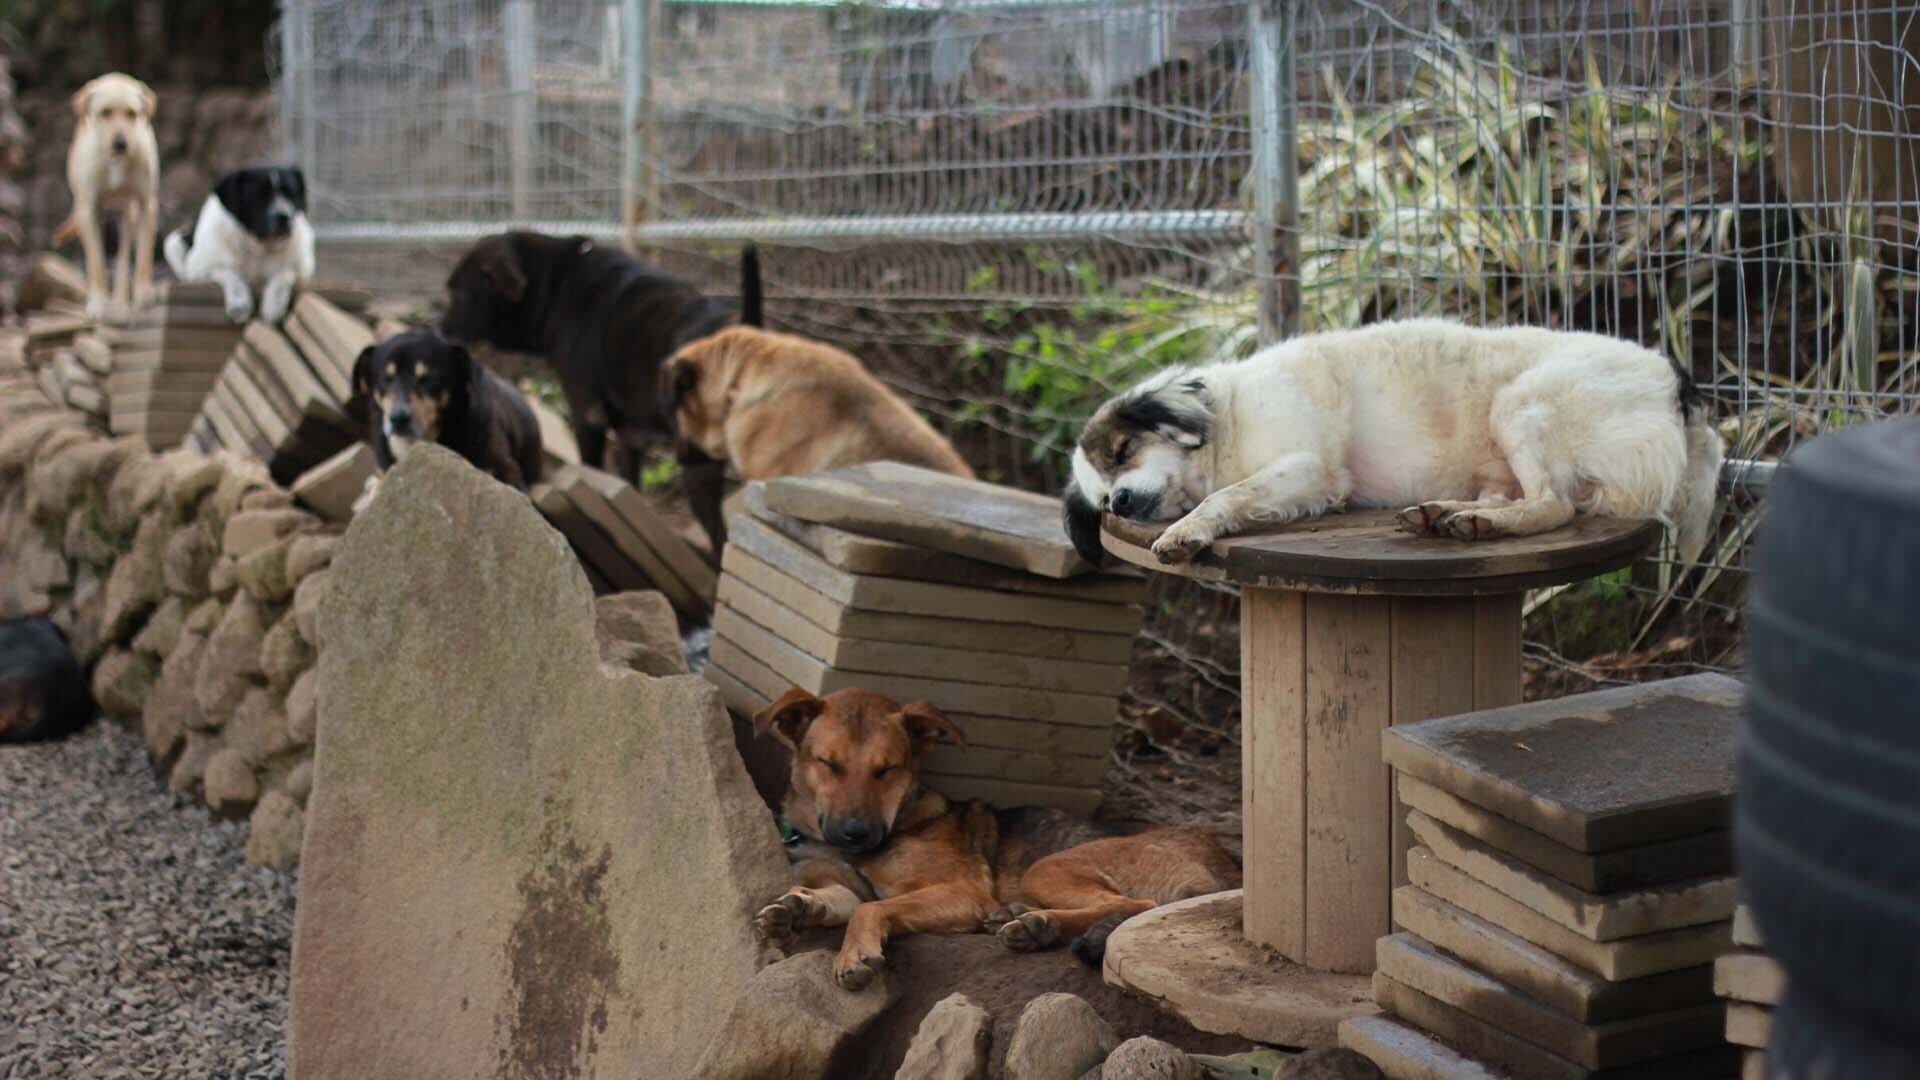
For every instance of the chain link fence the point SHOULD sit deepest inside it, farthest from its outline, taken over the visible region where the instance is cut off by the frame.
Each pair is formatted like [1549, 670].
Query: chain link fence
[1010, 209]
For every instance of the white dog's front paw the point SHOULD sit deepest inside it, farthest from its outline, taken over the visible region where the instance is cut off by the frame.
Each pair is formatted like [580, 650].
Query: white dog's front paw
[96, 306]
[239, 309]
[1182, 541]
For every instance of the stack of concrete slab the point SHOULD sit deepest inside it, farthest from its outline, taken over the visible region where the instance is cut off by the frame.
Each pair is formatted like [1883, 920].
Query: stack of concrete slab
[166, 358]
[285, 405]
[623, 542]
[70, 362]
[1568, 892]
[926, 587]
[1752, 984]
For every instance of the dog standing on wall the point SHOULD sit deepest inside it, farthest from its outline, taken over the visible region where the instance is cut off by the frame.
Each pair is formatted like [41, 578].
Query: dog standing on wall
[114, 164]
[418, 387]
[604, 321]
[252, 238]
[883, 855]
[1477, 433]
[780, 405]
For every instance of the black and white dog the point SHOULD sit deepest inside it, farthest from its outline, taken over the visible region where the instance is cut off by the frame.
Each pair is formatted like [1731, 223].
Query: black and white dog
[252, 237]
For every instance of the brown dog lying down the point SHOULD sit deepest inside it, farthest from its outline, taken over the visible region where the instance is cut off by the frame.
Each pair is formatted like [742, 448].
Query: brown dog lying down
[780, 405]
[883, 855]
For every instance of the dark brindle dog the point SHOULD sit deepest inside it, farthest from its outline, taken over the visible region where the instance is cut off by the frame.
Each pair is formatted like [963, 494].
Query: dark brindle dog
[417, 386]
[884, 855]
[605, 321]
[43, 691]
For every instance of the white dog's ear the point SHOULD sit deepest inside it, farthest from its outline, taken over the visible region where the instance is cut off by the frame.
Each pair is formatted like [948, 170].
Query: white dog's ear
[1179, 410]
[151, 99]
[79, 100]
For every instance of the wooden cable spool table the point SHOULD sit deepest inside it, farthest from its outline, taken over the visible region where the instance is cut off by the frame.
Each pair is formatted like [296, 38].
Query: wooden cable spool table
[1347, 626]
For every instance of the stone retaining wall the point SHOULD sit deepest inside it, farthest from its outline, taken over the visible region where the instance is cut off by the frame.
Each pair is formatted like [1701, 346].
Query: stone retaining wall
[190, 583]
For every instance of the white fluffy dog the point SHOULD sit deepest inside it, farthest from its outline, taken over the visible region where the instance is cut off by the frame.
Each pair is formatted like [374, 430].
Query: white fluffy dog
[1477, 433]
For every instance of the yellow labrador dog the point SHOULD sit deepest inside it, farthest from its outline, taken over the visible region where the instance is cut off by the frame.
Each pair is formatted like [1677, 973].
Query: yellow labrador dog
[114, 164]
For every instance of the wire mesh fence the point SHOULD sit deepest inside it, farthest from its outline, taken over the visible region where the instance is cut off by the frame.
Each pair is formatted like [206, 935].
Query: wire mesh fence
[1010, 209]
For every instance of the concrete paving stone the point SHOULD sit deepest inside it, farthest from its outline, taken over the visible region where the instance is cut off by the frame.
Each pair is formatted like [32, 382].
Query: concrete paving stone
[1484, 1042]
[1418, 965]
[1597, 872]
[1552, 980]
[1601, 918]
[1752, 977]
[1627, 958]
[1609, 769]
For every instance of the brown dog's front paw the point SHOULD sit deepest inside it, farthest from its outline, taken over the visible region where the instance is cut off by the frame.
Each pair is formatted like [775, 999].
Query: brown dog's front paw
[855, 970]
[779, 921]
[1030, 932]
[992, 923]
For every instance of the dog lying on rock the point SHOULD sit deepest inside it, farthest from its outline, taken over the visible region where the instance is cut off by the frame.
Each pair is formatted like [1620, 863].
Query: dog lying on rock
[880, 853]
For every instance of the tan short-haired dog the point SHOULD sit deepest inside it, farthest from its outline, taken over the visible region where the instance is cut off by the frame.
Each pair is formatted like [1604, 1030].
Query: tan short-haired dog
[114, 164]
[780, 405]
[883, 855]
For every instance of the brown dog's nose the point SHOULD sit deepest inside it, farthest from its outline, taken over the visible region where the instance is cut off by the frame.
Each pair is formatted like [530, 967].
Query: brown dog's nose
[856, 834]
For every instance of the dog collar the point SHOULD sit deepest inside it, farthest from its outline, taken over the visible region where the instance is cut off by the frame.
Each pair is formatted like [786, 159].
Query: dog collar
[788, 834]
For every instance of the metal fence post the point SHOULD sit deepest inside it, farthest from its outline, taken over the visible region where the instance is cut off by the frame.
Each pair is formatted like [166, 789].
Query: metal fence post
[296, 93]
[1276, 166]
[637, 175]
[519, 29]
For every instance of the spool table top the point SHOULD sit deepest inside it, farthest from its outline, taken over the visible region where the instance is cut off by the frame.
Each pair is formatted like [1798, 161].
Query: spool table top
[1364, 552]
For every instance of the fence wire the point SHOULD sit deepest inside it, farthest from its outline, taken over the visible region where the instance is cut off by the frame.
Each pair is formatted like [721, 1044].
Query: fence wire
[1011, 209]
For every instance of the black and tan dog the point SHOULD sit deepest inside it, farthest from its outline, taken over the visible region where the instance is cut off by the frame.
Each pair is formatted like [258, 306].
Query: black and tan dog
[43, 690]
[884, 855]
[605, 321]
[417, 386]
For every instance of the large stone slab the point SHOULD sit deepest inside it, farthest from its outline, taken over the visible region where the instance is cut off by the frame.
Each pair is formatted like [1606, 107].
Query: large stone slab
[1627, 958]
[519, 861]
[793, 1022]
[1551, 980]
[1610, 769]
[1418, 965]
[928, 509]
[1600, 872]
[1601, 918]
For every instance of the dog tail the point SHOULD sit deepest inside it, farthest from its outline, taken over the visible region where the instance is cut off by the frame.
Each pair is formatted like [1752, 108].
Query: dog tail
[65, 231]
[1694, 516]
[752, 302]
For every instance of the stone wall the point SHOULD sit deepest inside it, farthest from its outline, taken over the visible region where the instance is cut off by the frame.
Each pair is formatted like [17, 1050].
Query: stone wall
[190, 584]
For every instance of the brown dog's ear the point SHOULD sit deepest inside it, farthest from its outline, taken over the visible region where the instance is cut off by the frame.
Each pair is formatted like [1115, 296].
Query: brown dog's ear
[787, 718]
[363, 372]
[928, 725]
[502, 267]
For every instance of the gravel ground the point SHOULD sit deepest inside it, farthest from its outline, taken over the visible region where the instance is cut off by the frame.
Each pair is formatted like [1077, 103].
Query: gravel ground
[134, 939]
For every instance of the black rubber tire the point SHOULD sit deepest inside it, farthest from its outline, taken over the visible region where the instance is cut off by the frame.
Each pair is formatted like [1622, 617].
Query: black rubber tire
[1828, 813]
[1810, 1042]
